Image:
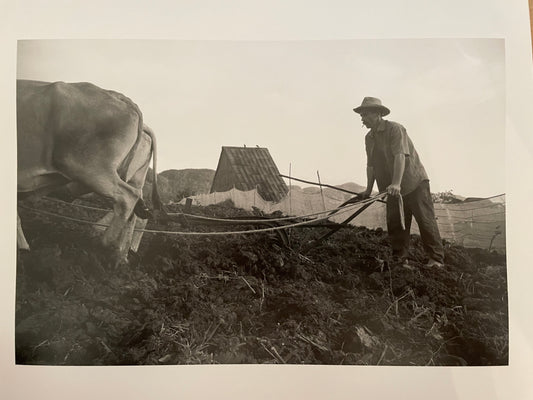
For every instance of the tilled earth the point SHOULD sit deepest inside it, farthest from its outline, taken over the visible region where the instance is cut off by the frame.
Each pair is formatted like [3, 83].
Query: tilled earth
[252, 298]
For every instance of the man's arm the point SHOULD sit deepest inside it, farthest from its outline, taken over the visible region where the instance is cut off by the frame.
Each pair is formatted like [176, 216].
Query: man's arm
[397, 175]
[370, 178]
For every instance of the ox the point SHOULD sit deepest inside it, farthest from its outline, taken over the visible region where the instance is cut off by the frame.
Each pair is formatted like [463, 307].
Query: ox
[85, 139]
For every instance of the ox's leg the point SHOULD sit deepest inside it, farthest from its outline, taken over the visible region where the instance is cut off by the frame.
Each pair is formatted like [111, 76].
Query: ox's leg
[99, 174]
[126, 236]
[121, 227]
[124, 239]
[137, 236]
[136, 177]
[99, 179]
[70, 192]
[22, 244]
[132, 239]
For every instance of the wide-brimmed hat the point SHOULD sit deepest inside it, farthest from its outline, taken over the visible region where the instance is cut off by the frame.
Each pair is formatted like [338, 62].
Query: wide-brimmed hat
[372, 103]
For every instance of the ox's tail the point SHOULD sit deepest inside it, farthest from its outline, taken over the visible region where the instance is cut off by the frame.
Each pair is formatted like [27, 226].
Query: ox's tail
[156, 199]
[140, 208]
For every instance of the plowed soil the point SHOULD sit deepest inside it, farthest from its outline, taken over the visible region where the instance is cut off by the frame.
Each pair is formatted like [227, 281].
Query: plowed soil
[252, 298]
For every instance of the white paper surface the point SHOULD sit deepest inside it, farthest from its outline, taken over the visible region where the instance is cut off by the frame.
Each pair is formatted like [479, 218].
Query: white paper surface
[283, 20]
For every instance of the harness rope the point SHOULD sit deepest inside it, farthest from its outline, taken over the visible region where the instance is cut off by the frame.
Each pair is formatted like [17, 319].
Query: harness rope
[342, 210]
[330, 211]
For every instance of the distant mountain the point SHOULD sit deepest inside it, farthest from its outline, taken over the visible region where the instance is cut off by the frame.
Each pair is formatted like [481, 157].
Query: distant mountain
[353, 187]
[350, 186]
[174, 184]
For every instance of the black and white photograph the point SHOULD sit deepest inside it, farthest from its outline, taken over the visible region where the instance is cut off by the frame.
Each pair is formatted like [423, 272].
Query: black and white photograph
[301, 202]
[270, 200]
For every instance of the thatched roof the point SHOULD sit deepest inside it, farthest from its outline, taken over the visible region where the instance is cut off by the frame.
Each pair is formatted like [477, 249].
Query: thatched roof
[247, 168]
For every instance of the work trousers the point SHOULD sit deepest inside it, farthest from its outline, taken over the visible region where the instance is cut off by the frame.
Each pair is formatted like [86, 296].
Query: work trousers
[419, 204]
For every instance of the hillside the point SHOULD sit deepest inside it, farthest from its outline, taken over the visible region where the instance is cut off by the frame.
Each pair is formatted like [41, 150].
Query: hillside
[176, 184]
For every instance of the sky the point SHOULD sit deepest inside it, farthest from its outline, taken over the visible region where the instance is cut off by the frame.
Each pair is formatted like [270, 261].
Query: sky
[296, 99]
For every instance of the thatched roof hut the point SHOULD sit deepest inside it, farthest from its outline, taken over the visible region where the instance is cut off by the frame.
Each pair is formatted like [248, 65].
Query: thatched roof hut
[247, 168]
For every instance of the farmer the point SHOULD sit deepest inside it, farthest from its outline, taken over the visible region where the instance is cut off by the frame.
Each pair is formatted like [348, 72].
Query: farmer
[393, 162]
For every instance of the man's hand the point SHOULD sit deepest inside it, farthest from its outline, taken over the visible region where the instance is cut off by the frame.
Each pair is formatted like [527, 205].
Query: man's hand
[393, 190]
